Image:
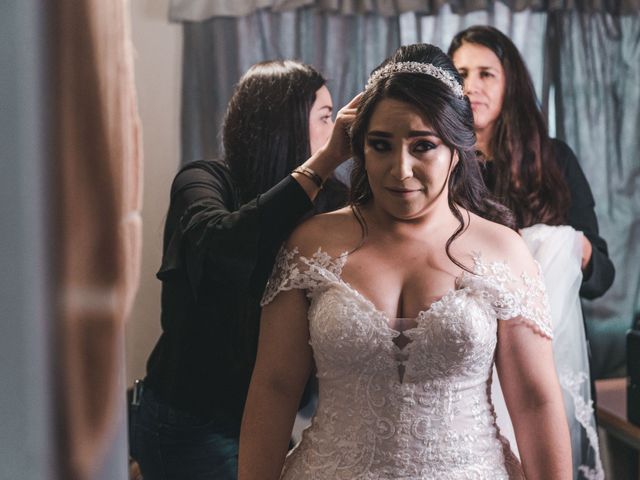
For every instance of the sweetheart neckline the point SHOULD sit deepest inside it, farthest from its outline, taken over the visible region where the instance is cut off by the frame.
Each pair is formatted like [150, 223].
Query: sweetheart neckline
[393, 333]
[322, 260]
[422, 314]
[451, 292]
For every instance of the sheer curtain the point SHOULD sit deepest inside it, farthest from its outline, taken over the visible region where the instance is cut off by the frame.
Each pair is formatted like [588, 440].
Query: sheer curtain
[597, 84]
[217, 51]
[585, 68]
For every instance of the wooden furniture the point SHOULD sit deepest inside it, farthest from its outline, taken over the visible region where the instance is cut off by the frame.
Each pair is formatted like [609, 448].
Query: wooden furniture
[622, 438]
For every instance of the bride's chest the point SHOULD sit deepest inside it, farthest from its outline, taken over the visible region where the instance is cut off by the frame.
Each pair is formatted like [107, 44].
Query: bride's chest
[456, 334]
[398, 288]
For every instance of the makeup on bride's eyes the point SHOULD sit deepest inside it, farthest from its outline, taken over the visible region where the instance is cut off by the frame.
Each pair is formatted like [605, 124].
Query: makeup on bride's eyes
[382, 145]
[378, 144]
[423, 146]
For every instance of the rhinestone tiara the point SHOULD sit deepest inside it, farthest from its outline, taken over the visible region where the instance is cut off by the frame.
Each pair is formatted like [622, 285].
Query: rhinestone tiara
[417, 67]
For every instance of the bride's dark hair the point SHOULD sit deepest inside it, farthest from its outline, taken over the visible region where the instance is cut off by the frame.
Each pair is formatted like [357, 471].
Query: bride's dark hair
[451, 118]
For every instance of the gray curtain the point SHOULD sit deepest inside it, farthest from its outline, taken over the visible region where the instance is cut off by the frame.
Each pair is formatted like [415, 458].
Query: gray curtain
[597, 85]
[585, 66]
[219, 50]
[199, 10]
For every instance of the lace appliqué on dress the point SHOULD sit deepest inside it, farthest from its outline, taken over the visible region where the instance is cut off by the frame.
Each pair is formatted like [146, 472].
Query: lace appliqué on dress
[436, 422]
[572, 382]
[294, 271]
[524, 300]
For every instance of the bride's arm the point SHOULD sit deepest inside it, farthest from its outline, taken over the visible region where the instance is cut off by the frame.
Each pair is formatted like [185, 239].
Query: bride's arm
[525, 365]
[283, 365]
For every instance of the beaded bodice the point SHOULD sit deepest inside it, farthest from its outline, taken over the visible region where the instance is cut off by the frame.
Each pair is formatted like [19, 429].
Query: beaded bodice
[422, 410]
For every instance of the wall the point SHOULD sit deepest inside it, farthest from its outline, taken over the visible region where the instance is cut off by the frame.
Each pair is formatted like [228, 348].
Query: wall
[27, 447]
[158, 62]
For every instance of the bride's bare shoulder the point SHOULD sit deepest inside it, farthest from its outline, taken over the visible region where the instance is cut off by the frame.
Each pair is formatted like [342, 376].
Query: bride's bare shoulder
[334, 232]
[496, 242]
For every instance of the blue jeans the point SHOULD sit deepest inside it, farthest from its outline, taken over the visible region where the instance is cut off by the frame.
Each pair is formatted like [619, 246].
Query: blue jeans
[172, 445]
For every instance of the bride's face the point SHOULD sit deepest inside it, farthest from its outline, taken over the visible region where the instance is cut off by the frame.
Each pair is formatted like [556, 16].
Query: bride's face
[407, 163]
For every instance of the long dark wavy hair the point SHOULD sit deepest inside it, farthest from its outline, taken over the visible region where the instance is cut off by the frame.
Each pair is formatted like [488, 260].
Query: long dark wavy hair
[265, 136]
[451, 118]
[527, 178]
[266, 127]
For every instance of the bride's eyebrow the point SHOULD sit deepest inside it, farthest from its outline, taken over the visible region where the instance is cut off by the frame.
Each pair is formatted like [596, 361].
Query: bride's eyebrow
[422, 133]
[412, 133]
[379, 133]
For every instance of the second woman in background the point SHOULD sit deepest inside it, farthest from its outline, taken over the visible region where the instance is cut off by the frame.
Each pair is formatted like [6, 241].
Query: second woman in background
[537, 177]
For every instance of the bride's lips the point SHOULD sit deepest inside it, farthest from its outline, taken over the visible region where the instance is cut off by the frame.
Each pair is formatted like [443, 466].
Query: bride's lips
[402, 191]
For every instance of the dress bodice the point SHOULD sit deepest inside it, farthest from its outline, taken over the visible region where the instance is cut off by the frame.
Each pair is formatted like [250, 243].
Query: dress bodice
[422, 411]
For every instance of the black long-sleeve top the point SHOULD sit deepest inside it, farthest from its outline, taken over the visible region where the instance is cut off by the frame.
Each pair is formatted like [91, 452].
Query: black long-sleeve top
[217, 258]
[599, 273]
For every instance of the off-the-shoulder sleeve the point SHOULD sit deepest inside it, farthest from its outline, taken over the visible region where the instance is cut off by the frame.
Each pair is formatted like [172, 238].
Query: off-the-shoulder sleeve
[521, 298]
[295, 271]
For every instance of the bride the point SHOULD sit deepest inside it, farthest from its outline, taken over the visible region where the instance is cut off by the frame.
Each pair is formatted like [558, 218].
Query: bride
[402, 303]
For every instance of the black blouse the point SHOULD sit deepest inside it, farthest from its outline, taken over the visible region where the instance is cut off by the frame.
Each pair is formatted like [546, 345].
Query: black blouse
[217, 258]
[599, 273]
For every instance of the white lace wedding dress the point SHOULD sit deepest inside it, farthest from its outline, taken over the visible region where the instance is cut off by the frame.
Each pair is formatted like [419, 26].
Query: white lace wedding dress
[419, 412]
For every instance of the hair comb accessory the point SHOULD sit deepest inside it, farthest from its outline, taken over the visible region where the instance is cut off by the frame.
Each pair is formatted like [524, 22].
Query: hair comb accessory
[417, 67]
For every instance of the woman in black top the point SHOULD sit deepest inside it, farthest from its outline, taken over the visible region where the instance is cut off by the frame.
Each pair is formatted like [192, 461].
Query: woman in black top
[225, 223]
[538, 177]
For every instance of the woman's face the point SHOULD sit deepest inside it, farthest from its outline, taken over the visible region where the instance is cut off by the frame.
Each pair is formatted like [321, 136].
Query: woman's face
[320, 120]
[407, 163]
[484, 83]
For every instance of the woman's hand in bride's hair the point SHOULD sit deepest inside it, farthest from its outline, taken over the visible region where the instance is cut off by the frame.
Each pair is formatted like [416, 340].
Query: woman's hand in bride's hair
[338, 147]
[335, 151]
